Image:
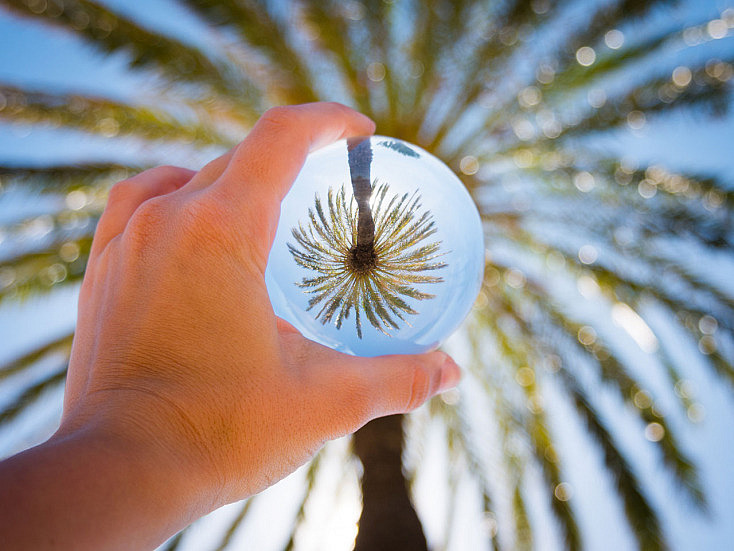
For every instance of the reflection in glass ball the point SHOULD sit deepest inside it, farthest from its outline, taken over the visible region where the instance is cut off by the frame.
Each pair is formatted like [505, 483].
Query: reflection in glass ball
[379, 249]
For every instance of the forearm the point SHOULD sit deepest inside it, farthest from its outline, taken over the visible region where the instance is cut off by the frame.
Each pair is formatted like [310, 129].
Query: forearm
[88, 491]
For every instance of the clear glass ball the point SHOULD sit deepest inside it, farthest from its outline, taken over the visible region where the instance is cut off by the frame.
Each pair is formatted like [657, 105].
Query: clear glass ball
[379, 249]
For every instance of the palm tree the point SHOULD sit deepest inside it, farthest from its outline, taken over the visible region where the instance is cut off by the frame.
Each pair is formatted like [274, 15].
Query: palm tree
[513, 95]
[367, 256]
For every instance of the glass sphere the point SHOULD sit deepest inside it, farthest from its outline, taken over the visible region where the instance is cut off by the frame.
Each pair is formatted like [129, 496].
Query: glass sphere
[379, 249]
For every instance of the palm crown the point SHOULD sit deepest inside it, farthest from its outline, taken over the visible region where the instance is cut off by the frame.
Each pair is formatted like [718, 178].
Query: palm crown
[402, 258]
[510, 94]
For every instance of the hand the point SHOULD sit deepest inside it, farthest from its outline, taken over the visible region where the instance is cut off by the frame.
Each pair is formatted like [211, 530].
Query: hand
[179, 361]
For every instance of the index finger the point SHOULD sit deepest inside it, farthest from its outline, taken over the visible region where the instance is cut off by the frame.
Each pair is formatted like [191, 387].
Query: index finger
[263, 167]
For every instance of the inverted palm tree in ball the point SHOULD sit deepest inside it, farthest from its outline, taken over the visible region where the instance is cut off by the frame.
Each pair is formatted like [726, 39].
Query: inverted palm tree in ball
[367, 257]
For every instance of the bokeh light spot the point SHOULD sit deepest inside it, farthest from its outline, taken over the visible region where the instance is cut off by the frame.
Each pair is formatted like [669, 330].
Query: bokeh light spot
[588, 287]
[108, 127]
[708, 325]
[76, 199]
[555, 260]
[529, 97]
[587, 335]
[535, 404]
[682, 76]
[654, 432]
[525, 376]
[451, 397]
[696, 413]
[545, 73]
[417, 69]
[37, 6]
[353, 10]
[523, 129]
[588, 254]
[614, 39]
[707, 345]
[684, 388]
[540, 6]
[717, 28]
[647, 188]
[53, 274]
[585, 56]
[596, 98]
[642, 399]
[376, 72]
[491, 276]
[7, 276]
[584, 181]
[523, 158]
[563, 491]
[469, 165]
[515, 278]
[69, 251]
[636, 120]
[713, 199]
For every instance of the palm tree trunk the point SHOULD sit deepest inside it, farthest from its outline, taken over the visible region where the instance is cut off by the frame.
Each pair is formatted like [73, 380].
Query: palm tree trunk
[360, 158]
[388, 521]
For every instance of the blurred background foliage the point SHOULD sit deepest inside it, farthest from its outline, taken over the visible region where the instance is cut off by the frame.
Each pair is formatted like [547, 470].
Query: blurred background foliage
[599, 269]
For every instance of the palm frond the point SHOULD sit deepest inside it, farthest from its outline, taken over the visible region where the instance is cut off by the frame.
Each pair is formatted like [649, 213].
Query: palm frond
[640, 514]
[61, 345]
[523, 529]
[311, 474]
[259, 29]
[58, 264]
[235, 524]
[102, 116]
[333, 41]
[64, 178]
[613, 372]
[110, 32]
[31, 395]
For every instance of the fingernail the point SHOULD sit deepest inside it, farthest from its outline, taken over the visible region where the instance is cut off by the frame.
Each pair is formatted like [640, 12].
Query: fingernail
[450, 374]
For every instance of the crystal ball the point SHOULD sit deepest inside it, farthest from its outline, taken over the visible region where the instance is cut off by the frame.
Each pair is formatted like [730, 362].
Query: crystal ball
[379, 249]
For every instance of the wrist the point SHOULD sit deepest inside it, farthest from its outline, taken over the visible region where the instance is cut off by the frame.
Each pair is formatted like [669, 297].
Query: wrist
[154, 437]
[93, 489]
[138, 448]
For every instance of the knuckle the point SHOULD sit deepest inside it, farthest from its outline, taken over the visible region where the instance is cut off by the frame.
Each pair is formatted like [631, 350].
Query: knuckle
[171, 174]
[161, 172]
[337, 106]
[167, 170]
[147, 220]
[279, 116]
[121, 191]
[131, 187]
[206, 224]
[213, 222]
[203, 219]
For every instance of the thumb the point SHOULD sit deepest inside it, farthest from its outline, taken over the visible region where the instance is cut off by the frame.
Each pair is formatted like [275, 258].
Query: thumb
[356, 390]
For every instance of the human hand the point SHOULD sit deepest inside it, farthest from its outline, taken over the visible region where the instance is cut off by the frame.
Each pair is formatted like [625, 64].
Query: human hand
[178, 353]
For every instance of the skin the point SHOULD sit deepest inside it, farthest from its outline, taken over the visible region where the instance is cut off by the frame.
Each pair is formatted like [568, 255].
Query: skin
[185, 392]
